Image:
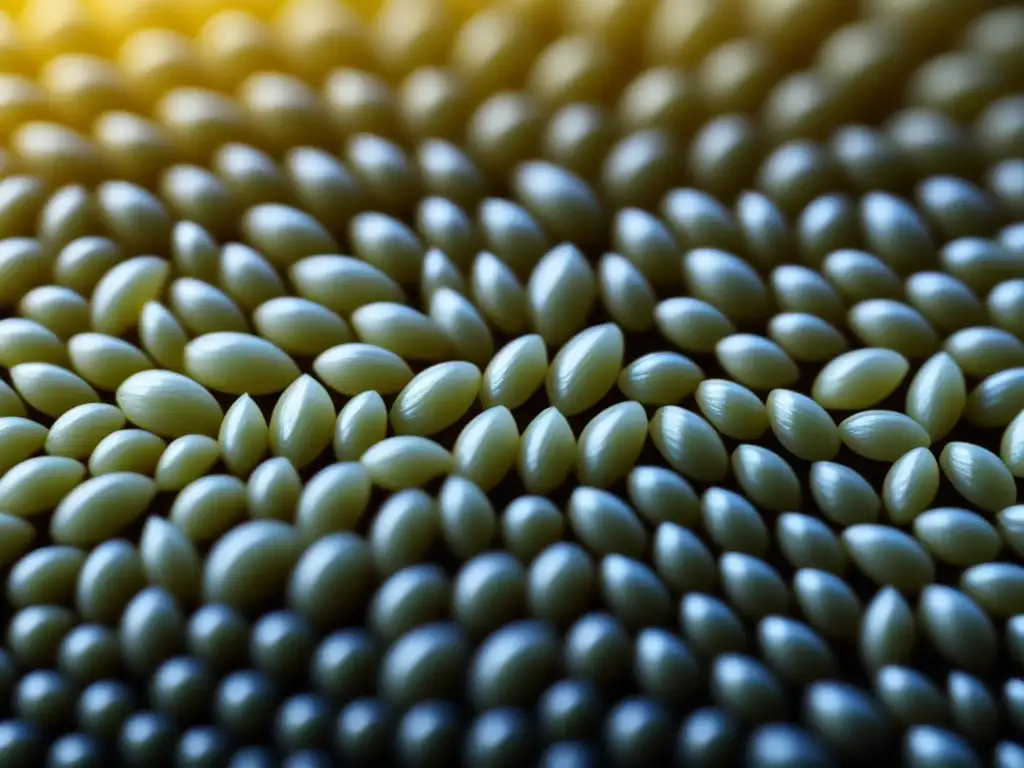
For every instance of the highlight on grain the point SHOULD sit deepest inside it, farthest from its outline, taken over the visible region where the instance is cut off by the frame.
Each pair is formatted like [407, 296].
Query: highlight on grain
[568, 383]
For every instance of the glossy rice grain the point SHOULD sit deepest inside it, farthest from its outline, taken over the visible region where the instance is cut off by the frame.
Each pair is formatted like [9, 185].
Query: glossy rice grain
[529, 525]
[404, 531]
[203, 308]
[801, 290]
[727, 283]
[604, 524]
[660, 378]
[732, 409]
[887, 632]
[547, 452]
[302, 422]
[207, 507]
[362, 423]
[802, 426]
[842, 494]
[996, 400]
[982, 351]
[978, 475]
[342, 284]
[169, 404]
[170, 559]
[435, 399]
[937, 395]
[50, 389]
[100, 507]
[247, 277]
[892, 325]
[498, 293]
[162, 336]
[38, 484]
[625, 293]
[808, 542]
[10, 403]
[1011, 446]
[560, 293]
[487, 446]
[691, 324]
[882, 435]
[354, 368]
[995, 586]
[733, 523]
[889, 557]
[77, 433]
[333, 500]
[585, 369]
[515, 373]
[957, 627]
[402, 330]
[186, 459]
[766, 478]
[756, 361]
[468, 334]
[243, 436]
[689, 444]
[942, 298]
[252, 562]
[298, 326]
[273, 490]
[105, 361]
[20, 438]
[236, 363]
[127, 450]
[59, 309]
[610, 444]
[910, 485]
[661, 495]
[406, 461]
[119, 297]
[957, 536]
[26, 341]
[859, 379]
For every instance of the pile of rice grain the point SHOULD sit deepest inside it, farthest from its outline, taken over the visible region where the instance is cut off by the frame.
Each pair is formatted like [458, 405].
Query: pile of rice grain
[567, 383]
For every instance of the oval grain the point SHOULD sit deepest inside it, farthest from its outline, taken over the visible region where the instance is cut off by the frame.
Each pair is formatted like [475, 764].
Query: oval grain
[100, 508]
[77, 433]
[406, 461]
[355, 368]
[802, 426]
[882, 435]
[978, 475]
[302, 423]
[186, 459]
[487, 447]
[910, 485]
[239, 363]
[585, 368]
[105, 361]
[732, 409]
[547, 452]
[937, 395]
[610, 444]
[243, 437]
[689, 444]
[169, 404]
[37, 485]
[435, 399]
[515, 373]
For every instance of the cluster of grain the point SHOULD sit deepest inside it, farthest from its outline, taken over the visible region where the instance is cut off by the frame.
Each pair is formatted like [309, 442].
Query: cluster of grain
[578, 383]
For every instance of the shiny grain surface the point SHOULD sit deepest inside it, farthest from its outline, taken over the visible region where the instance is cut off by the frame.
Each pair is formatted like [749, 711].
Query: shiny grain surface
[427, 382]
